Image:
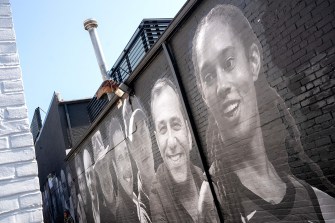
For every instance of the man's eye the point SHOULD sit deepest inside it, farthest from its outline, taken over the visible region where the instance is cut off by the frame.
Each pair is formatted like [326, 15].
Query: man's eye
[176, 126]
[229, 64]
[162, 130]
[209, 78]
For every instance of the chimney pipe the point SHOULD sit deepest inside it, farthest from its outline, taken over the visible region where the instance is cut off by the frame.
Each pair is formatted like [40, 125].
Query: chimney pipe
[90, 25]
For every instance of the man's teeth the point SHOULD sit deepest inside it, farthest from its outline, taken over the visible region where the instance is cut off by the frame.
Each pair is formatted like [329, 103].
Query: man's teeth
[230, 108]
[175, 157]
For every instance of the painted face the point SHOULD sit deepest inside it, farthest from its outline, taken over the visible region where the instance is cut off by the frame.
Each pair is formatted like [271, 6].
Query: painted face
[172, 133]
[90, 180]
[89, 174]
[72, 187]
[101, 168]
[123, 165]
[81, 181]
[227, 77]
[98, 146]
[140, 142]
[80, 210]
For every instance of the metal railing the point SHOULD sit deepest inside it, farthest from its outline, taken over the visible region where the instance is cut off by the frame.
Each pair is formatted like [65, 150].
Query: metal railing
[142, 40]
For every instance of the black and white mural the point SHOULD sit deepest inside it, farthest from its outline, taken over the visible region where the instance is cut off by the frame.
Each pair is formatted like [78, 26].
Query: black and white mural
[147, 159]
[249, 127]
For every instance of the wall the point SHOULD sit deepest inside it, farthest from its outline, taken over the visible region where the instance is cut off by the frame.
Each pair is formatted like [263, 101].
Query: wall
[20, 198]
[225, 122]
[52, 130]
[63, 126]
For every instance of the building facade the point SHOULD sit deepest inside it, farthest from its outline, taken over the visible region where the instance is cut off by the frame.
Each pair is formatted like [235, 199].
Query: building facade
[63, 126]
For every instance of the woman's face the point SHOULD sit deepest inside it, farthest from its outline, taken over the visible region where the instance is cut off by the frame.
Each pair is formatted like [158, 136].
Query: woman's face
[141, 146]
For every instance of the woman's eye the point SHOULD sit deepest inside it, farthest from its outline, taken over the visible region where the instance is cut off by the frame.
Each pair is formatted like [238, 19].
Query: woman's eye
[209, 77]
[229, 64]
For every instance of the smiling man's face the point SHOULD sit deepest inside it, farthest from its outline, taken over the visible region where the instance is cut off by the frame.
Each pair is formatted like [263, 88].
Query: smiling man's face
[172, 133]
[227, 80]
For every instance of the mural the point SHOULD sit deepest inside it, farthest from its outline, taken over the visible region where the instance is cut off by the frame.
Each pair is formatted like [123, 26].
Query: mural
[143, 161]
[249, 126]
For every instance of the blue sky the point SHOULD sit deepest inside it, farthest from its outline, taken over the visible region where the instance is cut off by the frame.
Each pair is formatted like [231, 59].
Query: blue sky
[55, 51]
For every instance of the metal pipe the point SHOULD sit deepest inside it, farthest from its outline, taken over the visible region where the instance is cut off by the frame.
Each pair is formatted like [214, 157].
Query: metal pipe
[90, 25]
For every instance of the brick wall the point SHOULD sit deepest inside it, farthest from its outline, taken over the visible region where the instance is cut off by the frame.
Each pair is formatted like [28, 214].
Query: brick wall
[20, 198]
[293, 97]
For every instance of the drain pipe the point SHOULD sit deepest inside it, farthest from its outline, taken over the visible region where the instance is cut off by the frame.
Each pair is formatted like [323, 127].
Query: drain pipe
[91, 26]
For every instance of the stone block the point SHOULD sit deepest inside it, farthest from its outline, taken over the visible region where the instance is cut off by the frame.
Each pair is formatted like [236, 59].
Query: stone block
[14, 126]
[8, 47]
[7, 172]
[27, 169]
[7, 100]
[9, 59]
[8, 204]
[8, 219]
[5, 10]
[30, 200]
[16, 113]
[29, 217]
[12, 86]
[10, 73]
[20, 155]
[6, 22]
[22, 140]
[7, 34]
[4, 143]
[8, 188]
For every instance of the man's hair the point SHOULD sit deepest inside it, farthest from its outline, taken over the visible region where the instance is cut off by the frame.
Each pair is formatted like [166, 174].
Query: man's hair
[159, 86]
[232, 17]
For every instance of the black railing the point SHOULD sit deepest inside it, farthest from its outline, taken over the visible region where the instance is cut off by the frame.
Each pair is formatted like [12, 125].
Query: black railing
[95, 106]
[142, 40]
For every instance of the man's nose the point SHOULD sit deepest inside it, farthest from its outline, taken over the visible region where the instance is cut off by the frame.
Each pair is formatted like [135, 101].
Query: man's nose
[223, 86]
[172, 142]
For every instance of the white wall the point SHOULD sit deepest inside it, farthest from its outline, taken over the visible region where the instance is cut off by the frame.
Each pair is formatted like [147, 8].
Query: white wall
[20, 198]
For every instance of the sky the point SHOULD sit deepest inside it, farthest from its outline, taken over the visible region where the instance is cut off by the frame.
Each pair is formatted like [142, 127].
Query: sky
[56, 54]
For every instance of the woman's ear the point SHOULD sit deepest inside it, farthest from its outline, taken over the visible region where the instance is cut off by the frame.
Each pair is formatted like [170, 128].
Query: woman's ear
[254, 61]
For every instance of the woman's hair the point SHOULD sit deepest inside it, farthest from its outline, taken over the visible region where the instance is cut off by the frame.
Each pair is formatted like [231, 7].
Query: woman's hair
[232, 17]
